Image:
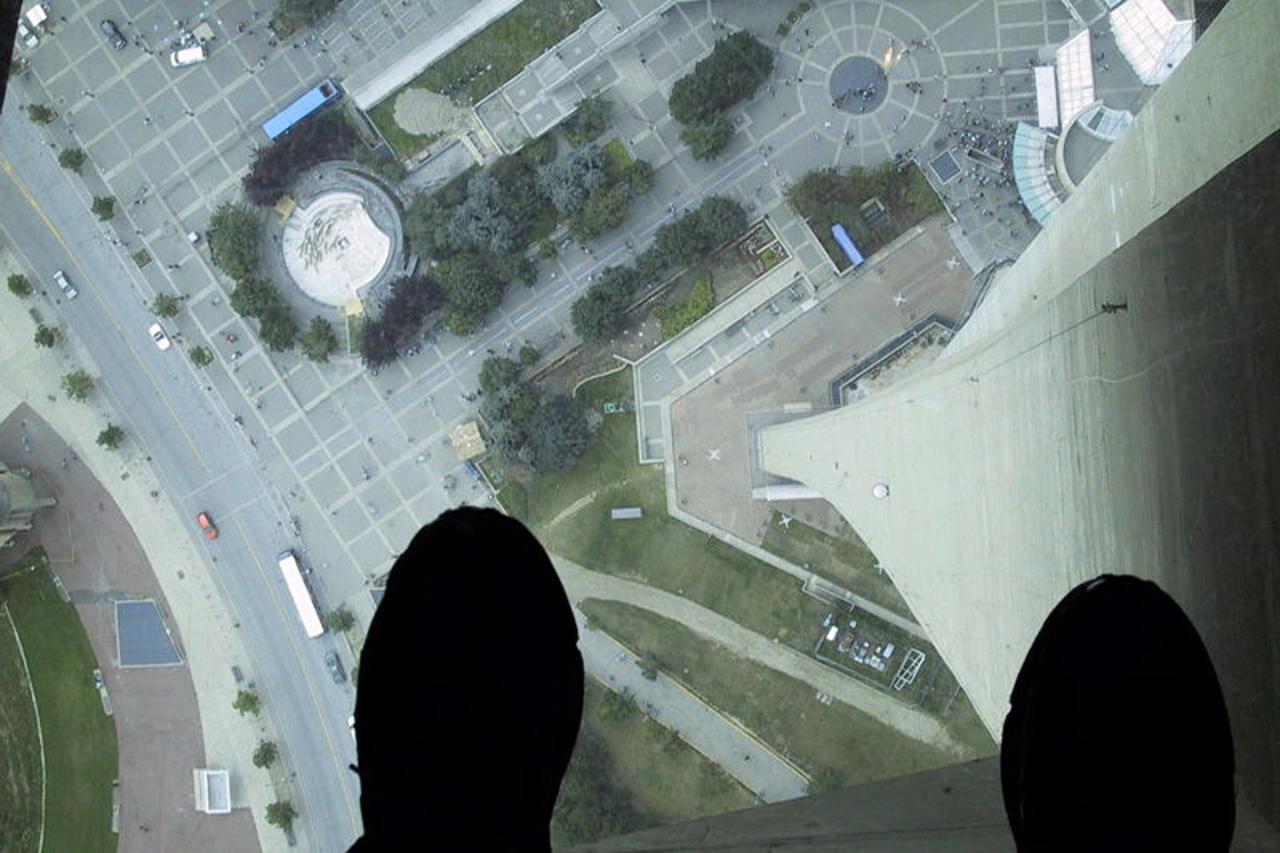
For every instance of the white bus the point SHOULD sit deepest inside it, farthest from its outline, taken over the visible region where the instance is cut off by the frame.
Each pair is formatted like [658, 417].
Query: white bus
[302, 601]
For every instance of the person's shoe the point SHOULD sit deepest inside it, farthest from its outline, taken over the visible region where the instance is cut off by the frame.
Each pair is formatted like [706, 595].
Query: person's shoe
[470, 692]
[1117, 738]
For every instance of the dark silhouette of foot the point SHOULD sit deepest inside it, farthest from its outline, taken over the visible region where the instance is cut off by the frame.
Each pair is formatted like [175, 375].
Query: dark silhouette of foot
[470, 692]
[1117, 738]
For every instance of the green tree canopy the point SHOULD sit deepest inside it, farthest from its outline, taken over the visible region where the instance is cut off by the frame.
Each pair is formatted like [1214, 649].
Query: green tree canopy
[266, 754]
[498, 372]
[20, 285]
[638, 178]
[707, 137]
[41, 113]
[201, 356]
[605, 210]
[247, 702]
[77, 385]
[471, 290]
[281, 813]
[46, 336]
[277, 328]
[339, 620]
[110, 437]
[399, 324]
[736, 67]
[72, 159]
[276, 165]
[568, 179]
[319, 341]
[104, 207]
[166, 305]
[589, 120]
[235, 233]
[254, 297]
[426, 224]
[480, 221]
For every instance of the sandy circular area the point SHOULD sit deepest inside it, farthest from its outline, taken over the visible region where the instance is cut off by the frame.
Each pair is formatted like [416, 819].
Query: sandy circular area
[422, 112]
[332, 248]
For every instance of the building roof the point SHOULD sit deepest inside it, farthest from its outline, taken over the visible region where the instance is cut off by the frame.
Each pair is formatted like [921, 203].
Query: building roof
[1151, 39]
[1074, 65]
[213, 790]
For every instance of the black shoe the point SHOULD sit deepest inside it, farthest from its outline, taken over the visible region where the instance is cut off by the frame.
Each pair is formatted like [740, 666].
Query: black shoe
[470, 692]
[1118, 738]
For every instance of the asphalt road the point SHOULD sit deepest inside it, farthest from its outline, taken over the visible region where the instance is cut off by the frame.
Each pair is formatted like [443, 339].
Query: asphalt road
[202, 460]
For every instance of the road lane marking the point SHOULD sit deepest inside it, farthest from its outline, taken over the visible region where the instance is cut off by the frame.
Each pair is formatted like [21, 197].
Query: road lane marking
[302, 669]
[75, 262]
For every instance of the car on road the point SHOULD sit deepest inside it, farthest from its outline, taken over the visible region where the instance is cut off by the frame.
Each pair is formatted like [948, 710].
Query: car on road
[156, 331]
[206, 524]
[65, 286]
[335, 667]
[113, 34]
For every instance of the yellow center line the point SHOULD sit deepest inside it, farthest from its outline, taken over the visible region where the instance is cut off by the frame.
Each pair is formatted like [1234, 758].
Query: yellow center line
[84, 276]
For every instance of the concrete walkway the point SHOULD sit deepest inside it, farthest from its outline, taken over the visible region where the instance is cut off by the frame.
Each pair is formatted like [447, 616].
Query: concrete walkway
[753, 763]
[583, 583]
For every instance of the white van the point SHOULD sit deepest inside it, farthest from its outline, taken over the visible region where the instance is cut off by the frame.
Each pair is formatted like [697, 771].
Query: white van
[188, 56]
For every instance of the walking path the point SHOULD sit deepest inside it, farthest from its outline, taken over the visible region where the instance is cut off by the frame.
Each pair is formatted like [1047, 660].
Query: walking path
[583, 583]
[753, 763]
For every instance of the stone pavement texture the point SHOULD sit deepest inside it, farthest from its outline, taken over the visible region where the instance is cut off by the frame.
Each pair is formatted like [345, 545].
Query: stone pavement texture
[169, 719]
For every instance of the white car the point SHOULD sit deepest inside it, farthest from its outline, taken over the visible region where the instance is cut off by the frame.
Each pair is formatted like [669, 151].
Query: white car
[65, 286]
[157, 334]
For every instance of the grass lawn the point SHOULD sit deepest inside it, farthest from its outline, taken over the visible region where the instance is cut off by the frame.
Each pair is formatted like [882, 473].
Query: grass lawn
[404, 143]
[836, 744]
[80, 746]
[670, 779]
[849, 563]
[19, 747]
[618, 157]
[825, 198]
[504, 47]
[657, 549]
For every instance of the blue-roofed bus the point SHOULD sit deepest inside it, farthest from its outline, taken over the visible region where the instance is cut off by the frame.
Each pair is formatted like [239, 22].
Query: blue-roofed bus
[309, 104]
[846, 243]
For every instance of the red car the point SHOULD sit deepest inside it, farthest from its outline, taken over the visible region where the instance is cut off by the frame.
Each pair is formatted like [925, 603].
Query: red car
[207, 525]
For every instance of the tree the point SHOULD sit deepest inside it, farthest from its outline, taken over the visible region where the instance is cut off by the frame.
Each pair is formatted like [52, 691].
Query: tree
[110, 437]
[247, 702]
[166, 305]
[412, 299]
[318, 341]
[596, 316]
[605, 210]
[719, 220]
[72, 158]
[20, 285]
[277, 328]
[638, 178]
[266, 754]
[77, 385]
[104, 207]
[281, 813]
[47, 336]
[426, 224]
[498, 372]
[708, 137]
[734, 70]
[201, 356]
[547, 249]
[589, 120]
[41, 113]
[253, 297]
[471, 291]
[479, 222]
[339, 620]
[568, 179]
[529, 355]
[512, 268]
[297, 14]
[651, 265]
[275, 166]
[235, 234]
[560, 434]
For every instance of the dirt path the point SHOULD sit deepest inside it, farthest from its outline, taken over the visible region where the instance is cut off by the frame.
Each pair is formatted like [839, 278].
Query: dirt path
[583, 583]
